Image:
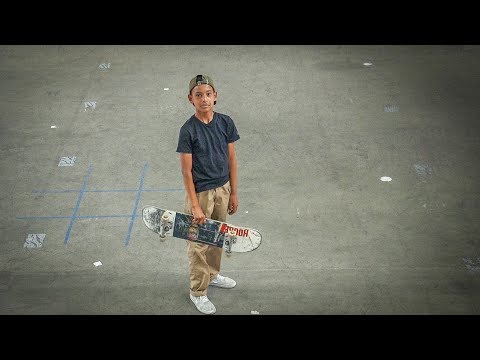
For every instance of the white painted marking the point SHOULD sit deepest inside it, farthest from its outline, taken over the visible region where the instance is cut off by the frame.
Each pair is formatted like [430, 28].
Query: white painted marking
[90, 105]
[97, 263]
[472, 264]
[367, 64]
[386, 178]
[423, 170]
[166, 89]
[254, 312]
[34, 240]
[53, 127]
[246, 212]
[67, 161]
[104, 66]
[391, 108]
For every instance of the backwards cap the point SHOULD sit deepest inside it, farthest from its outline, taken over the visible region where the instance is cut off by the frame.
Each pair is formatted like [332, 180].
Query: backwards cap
[198, 80]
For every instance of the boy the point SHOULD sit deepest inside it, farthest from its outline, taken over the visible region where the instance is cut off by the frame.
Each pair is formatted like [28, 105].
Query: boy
[206, 145]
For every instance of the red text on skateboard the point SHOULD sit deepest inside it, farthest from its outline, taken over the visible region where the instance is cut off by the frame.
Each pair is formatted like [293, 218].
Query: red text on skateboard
[240, 232]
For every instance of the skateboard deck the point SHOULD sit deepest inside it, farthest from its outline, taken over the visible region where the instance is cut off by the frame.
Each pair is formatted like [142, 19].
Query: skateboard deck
[213, 232]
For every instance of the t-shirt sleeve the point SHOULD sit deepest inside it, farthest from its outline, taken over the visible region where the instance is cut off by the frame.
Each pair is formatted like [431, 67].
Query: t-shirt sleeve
[184, 142]
[232, 132]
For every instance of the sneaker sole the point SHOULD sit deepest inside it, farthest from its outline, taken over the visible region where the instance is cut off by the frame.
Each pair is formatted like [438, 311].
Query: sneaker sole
[222, 286]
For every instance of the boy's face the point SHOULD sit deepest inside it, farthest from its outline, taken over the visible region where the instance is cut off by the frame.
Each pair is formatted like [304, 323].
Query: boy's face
[203, 97]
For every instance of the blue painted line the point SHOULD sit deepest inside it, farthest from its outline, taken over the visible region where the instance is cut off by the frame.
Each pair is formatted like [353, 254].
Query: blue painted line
[81, 193]
[99, 191]
[105, 216]
[165, 190]
[42, 217]
[114, 190]
[77, 217]
[142, 179]
[80, 196]
[54, 191]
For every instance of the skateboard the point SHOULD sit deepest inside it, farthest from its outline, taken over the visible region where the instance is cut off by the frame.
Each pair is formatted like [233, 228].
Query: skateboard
[213, 232]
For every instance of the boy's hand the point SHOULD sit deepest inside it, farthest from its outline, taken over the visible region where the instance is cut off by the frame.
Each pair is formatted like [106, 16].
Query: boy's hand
[198, 216]
[232, 204]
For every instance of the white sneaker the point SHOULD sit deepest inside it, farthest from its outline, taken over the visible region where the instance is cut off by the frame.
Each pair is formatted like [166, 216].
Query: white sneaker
[223, 282]
[203, 304]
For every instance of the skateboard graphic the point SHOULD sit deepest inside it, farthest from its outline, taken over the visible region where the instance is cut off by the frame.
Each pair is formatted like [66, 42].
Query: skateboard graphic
[213, 232]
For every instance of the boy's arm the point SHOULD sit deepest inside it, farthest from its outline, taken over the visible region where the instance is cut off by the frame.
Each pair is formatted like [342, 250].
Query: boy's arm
[232, 162]
[186, 162]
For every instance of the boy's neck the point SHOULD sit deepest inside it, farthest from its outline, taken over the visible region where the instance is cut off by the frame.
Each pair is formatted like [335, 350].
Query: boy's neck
[205, 117]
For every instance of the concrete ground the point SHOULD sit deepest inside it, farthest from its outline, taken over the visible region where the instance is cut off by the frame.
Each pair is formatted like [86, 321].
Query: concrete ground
[319, 129]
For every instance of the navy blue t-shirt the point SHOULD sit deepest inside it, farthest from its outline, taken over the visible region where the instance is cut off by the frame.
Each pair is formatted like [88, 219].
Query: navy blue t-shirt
[208, 144]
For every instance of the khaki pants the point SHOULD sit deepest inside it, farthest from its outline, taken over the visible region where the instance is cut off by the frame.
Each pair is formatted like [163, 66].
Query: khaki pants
[204, 260]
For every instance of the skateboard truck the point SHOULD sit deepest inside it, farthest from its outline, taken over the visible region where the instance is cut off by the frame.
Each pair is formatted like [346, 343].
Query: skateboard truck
[231, 238]
[165, 225]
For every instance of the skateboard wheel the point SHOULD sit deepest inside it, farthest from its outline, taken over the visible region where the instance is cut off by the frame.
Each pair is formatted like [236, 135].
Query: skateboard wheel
[228, 247]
